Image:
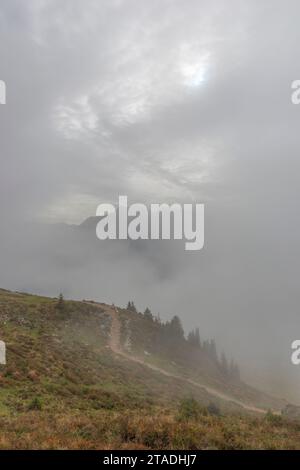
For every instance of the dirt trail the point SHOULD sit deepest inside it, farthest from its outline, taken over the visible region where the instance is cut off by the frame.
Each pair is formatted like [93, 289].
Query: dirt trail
[115, 345]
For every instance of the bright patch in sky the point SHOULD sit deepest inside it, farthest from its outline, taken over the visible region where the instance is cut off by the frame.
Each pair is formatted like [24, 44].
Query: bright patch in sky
[194, 69]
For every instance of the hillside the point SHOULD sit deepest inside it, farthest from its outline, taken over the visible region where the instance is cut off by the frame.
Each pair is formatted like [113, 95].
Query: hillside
[86, 375]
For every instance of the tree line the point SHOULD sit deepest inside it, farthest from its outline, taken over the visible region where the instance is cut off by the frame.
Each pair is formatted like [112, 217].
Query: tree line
[172, 335]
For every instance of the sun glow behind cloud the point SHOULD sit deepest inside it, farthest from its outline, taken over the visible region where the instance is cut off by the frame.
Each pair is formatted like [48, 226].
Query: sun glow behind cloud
[194, 67]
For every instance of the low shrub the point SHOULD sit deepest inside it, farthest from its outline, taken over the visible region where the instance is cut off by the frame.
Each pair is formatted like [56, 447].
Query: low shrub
[35, 404]
[190, 409]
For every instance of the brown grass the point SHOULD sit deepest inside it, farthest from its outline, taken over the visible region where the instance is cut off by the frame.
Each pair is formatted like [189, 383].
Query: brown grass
[141, 430]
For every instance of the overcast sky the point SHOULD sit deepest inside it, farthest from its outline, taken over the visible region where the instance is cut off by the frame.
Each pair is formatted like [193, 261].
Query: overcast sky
[162, 101]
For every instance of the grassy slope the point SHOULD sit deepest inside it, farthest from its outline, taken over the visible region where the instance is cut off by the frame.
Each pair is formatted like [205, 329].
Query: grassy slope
[63, 388]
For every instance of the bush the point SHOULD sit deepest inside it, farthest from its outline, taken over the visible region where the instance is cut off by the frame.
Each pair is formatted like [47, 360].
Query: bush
[190, 409]
[213, 409]
[35, 404]
[156, 438]
[272, 418]
[127, 432]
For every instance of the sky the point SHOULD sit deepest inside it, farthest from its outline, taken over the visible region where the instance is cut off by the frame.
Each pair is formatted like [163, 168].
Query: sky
[162, 101]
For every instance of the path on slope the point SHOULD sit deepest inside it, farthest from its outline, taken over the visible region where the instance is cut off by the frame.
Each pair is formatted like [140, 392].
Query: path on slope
[115, 345]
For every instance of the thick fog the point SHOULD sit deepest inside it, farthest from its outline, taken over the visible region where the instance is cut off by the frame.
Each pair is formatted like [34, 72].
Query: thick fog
[162, 101]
